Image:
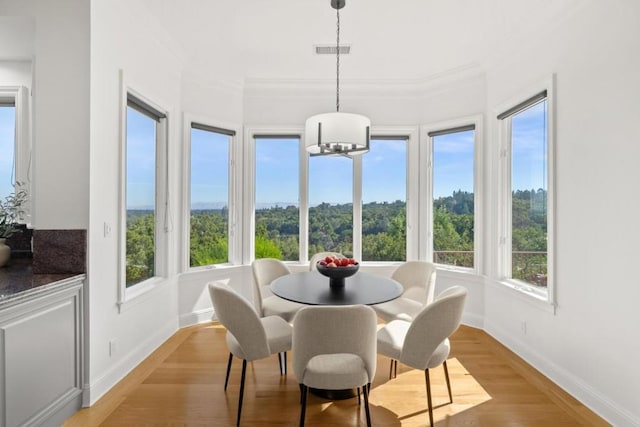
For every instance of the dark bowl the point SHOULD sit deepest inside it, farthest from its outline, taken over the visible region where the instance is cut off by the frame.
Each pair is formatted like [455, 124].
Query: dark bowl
[338, 272]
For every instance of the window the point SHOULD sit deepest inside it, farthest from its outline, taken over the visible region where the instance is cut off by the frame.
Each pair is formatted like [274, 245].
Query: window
[15, 142]
[143, 195]
[330, 204]
[209, 195]
[277, 207]
[453, 211]
[525, 129]
[7, 146]
[384, 200]
[306, 204]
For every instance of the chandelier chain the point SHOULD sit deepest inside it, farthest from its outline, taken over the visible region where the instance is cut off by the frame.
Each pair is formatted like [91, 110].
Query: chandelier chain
[338, 60]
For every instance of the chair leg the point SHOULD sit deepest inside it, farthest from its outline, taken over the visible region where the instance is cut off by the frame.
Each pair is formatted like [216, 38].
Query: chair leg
[429, 404]
[244, 371]
[282, 361]
[393, 369]
[304, 390]
[365, 393]
[358, 391]
[446, 375]
[226, 380]
[284, 365]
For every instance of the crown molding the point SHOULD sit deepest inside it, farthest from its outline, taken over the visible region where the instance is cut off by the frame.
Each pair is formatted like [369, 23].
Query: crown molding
[363, 87]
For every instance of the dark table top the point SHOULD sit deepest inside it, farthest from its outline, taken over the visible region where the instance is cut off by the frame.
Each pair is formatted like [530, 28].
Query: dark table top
[313, 288]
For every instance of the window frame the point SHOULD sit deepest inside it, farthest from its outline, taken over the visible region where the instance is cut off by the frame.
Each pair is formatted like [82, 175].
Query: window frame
[411, 133]
[129, 296]
[234, 202]
[426, 197]
[248, 220]
[503, 129]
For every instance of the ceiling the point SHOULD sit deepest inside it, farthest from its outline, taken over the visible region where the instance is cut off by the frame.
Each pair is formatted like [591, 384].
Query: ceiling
[402, 40]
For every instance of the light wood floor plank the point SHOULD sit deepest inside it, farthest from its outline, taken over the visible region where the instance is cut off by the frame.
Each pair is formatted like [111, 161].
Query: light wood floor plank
[181, 384]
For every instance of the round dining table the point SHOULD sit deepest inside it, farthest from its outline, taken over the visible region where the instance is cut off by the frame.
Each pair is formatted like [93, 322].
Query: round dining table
[313, 288]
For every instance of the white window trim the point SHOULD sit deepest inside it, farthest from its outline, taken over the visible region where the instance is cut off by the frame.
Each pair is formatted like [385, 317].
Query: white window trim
[412, 133]
[235, 197]
[128, 297]
[426, 183]
[249, 176]
[22, 142]
[503, 127]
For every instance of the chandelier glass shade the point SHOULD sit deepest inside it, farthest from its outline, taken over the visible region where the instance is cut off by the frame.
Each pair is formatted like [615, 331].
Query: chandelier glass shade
[337, 133]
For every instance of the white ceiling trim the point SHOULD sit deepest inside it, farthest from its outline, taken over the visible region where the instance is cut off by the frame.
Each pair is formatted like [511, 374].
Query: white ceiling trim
[363, 87]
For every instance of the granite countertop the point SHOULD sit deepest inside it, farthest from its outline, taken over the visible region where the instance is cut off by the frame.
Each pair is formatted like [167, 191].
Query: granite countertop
[17, 279]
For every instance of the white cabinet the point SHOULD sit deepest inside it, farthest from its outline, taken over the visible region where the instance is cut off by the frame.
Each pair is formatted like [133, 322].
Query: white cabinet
[41, 355]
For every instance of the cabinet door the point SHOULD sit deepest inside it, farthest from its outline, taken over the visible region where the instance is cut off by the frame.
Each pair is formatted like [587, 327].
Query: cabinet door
[40, 357]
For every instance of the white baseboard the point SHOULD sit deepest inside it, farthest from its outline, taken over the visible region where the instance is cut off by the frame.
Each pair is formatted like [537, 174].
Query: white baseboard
[587, 395]
[474, 320]
[103, 384]
[195, 317]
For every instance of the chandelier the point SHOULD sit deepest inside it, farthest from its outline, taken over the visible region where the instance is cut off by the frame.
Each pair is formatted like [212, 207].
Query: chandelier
[337, 133]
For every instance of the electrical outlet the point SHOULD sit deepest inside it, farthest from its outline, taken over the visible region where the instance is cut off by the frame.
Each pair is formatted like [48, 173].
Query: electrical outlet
[112, 347]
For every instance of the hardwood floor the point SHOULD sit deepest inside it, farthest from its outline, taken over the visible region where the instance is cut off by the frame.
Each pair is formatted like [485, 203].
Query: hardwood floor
[182, 384]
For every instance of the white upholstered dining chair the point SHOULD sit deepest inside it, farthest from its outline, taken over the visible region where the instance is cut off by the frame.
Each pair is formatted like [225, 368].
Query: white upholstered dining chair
[424, 342]
[418, 278]
[266, 270]
[249, 337]
[334, 348]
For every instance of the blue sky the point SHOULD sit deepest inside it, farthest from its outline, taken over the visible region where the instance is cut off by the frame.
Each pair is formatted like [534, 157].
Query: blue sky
[7, 137]
[330, 178]
[453, 163]
[141, 161]
[529, 158]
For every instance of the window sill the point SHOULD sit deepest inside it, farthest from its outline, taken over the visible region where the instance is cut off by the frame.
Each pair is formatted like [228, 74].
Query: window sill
[141, 292]
[525, 293]
[210, 267]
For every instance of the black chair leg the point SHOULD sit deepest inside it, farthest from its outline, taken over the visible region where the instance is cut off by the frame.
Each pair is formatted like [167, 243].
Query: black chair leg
[284, 364]
[304, 390]
[446, 375]
[226, 380]
[429, 404]
[395, 368]
[391, 369]
[244, 371]
[358, 391]
[365, 393]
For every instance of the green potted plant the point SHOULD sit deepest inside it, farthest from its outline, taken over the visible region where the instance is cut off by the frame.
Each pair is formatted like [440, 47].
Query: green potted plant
[11, 211]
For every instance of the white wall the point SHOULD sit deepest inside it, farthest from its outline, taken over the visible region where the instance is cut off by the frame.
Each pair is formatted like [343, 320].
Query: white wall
[590, 345]
[124, 37]
[61, 111]
[15, 73]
